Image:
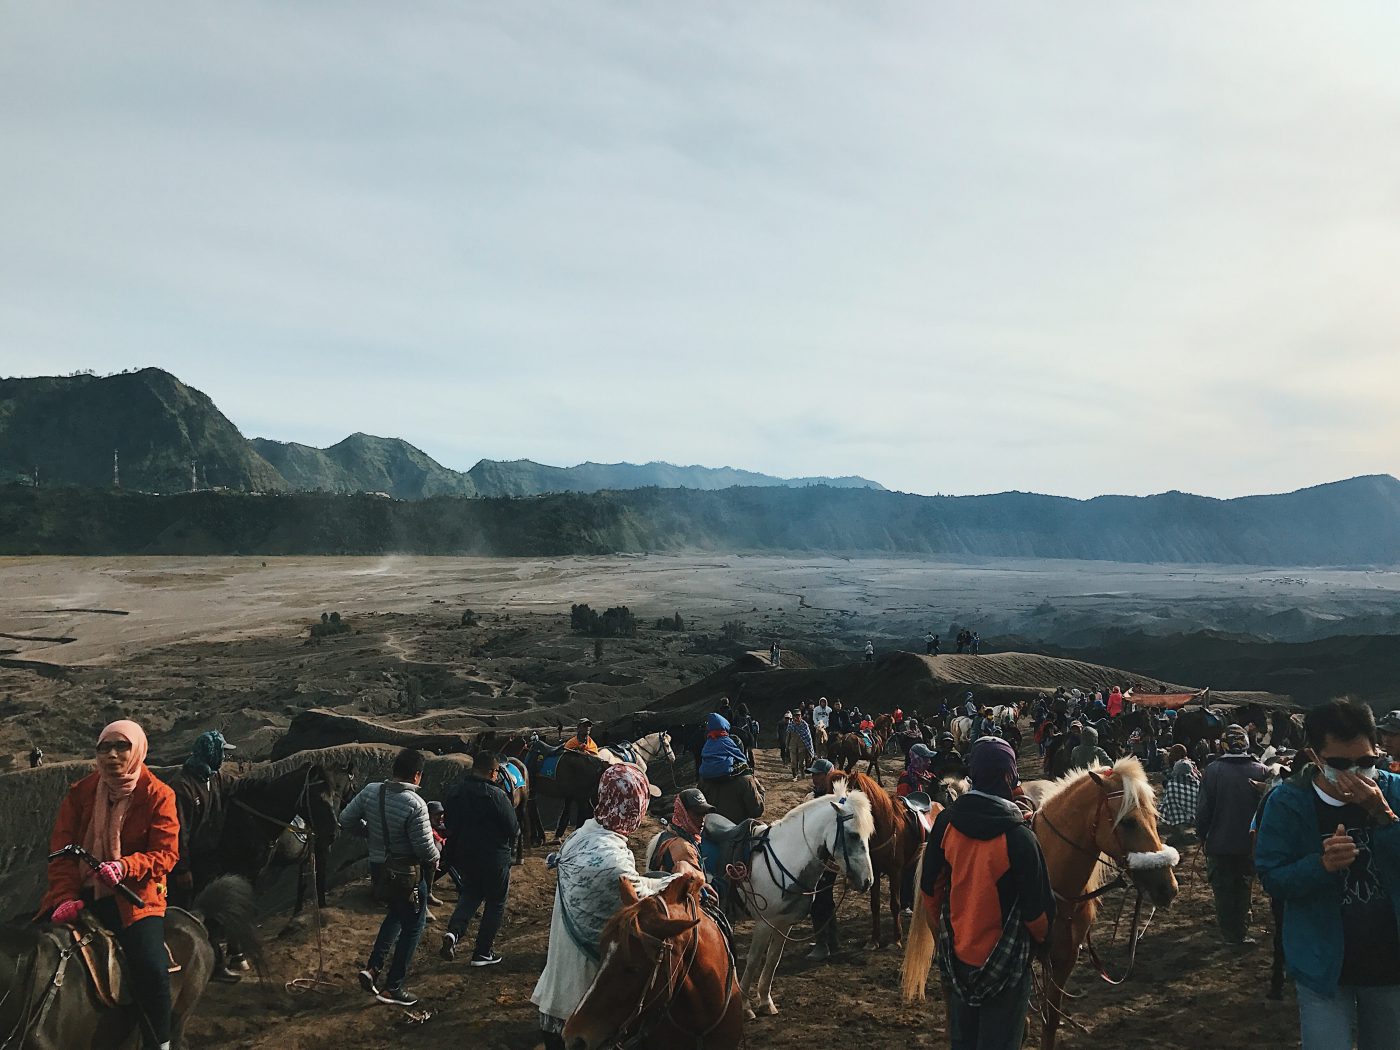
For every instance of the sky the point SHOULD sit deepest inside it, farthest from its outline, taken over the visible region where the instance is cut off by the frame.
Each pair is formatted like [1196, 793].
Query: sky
[1076, 248]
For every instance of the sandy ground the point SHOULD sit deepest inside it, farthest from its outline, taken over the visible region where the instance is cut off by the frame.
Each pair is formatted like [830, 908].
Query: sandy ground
[1187, 989]
[101, 610]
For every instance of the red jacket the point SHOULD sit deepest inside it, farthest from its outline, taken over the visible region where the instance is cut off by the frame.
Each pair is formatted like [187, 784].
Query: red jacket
[150, 846]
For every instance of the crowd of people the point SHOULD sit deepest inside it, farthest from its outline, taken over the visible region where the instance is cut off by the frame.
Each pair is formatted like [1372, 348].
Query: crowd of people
[1323, 839]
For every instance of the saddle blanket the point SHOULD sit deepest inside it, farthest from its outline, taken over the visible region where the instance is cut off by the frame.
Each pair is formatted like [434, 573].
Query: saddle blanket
[514, 779]
[548, 765]
[869, 739]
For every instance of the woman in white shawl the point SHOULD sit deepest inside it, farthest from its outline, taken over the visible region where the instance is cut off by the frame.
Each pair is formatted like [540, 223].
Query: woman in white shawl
[589, 866]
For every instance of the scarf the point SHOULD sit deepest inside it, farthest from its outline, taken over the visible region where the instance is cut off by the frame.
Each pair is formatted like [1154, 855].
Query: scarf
[623, 792]
[207, 755]
[113, 797]
[681, 818]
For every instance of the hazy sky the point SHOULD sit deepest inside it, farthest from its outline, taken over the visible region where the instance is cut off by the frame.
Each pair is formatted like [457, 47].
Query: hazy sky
[1070, 247]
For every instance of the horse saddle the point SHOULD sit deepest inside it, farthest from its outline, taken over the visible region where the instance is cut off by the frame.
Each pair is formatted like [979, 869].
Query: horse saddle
[623, 749]
[514, 779]
[920, 807]
[869, 739]
[106, 967]
[727, 847]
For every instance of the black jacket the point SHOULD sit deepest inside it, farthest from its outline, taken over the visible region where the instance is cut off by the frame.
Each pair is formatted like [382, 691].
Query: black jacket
[840, 722]
[481, 825]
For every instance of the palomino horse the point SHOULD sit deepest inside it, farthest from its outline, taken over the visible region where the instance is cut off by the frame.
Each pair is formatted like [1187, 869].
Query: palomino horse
[788, 857]
[1078, 821]
[47, 999]
[894, 844]
[666, 979]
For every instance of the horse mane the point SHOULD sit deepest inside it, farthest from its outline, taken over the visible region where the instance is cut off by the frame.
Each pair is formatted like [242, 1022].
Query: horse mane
[1129, 775]
[879, 799]
[625, 926]
[857, 800]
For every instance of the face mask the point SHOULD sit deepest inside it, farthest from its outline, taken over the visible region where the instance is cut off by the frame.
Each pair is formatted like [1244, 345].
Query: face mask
[1329, 774]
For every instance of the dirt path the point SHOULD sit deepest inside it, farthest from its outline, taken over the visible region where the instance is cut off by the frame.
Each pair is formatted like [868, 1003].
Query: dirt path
[1187, 991]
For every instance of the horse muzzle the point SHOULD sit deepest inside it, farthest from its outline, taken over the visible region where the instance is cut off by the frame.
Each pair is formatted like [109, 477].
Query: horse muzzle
[1153, 874]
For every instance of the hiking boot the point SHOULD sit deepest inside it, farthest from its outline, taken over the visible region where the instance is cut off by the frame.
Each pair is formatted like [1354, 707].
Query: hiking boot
[369, 980]
[398, 997]
[449, 946]
[485, 959]
[225, 975]
[820, 952]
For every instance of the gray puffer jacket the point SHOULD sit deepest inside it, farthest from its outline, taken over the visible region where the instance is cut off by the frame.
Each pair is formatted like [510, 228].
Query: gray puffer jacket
[410, 831]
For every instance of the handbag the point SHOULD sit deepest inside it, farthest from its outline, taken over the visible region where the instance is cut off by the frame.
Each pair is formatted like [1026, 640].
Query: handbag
[398, 878]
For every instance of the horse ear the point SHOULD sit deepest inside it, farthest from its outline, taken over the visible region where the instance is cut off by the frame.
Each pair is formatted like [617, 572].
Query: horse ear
[629, 892]
[669, 927]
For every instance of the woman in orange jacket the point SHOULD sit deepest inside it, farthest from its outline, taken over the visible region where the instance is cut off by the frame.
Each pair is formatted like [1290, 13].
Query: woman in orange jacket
[125, 818]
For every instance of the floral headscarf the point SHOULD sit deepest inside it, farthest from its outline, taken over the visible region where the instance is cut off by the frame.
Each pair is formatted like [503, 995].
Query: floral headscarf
[623, 792]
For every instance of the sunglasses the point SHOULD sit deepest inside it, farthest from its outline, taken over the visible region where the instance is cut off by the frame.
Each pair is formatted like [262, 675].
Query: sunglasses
[1347, 765]
[121, 747]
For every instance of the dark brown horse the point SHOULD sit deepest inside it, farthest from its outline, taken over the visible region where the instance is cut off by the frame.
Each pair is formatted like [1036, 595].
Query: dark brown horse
[894, 846]
[47, 1000]
[667, 977]
[848, 749]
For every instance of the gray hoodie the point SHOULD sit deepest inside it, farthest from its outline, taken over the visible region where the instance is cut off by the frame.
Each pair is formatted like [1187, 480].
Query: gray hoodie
[1088, 753]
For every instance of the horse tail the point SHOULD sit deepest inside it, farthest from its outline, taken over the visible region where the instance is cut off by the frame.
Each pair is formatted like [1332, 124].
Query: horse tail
[919, 946]
[227, 908]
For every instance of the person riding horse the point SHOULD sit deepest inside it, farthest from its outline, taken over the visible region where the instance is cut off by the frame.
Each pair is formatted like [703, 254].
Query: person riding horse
[582, 740]
[125, 818]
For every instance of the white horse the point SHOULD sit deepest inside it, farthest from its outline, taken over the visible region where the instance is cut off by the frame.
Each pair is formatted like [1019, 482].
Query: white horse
[787, 861]
[650, 748]
[961, 728]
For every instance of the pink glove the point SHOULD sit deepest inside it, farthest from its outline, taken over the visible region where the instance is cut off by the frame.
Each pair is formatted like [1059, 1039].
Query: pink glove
[110, 872]
[67, 912]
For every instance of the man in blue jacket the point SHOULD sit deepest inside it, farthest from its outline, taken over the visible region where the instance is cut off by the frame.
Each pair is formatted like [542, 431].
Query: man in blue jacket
[1329, 848]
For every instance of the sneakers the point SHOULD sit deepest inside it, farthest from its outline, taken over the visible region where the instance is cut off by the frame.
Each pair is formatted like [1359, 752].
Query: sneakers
[397, 997]
[449, 946]
[369, 980]
[487, 959]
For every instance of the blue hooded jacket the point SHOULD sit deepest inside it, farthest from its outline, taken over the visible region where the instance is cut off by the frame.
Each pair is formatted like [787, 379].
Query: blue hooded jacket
[721, 751]
[1288, 857]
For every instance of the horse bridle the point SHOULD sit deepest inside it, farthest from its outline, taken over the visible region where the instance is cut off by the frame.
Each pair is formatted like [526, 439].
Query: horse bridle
[674, 979]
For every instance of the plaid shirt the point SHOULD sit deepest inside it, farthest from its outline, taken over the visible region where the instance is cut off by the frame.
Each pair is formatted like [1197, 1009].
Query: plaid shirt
[1179, 797]
[1003, 967]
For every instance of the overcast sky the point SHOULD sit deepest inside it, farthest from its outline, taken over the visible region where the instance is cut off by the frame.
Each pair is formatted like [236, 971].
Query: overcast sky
[1072, 248]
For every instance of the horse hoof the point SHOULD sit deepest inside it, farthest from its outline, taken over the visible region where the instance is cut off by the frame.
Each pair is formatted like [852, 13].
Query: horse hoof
[768, 1009]
[749, 1015]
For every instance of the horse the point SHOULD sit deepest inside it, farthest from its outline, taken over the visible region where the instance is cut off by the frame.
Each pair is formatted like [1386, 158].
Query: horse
[42, 1011]
[845, 751]
[894, 845]
[819, 740]
[961, 728]
[649, 749]
[666, 979]
[524, 815]
[788, 856]
[260, 822]
[1069, 824]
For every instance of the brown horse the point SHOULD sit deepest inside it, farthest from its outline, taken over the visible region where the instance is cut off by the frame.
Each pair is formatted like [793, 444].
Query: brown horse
[846, 750]
[525, 815]
[667, 977]
[894, 845]
[47, 999]
[1078, 819]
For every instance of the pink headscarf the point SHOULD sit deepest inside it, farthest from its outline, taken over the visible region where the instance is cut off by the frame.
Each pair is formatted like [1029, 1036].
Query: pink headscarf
[684, 819]
[104, 838]
[623, 792]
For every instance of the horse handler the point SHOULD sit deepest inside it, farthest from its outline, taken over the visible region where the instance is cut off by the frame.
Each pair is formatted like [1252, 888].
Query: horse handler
[124, 817]
[989, 901]
[481, 828]
[590, 866]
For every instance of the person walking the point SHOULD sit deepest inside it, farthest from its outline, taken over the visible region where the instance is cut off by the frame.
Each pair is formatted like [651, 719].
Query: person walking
[1087, 754]
[125, 817]
[989, 901]
[1224, 811]
[799, 746]
[394, 817]
[869, 651]
[481, 829]
[1328, 847]
[590, 867]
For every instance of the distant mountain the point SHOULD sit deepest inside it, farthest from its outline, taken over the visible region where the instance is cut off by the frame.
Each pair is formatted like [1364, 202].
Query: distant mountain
[365, 463]
[523, 477]
[66, 429]
[1348, 523]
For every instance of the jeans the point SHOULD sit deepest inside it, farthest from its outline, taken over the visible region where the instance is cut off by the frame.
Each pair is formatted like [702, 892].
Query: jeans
[143, 945]
[401, 930]
[1231, 881]
[488, 885]
[998, 1024]
[1368, 1018]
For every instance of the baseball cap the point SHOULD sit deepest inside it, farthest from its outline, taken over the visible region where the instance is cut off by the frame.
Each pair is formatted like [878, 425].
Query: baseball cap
[1390, 723]
[821, 765]
[694, 800]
